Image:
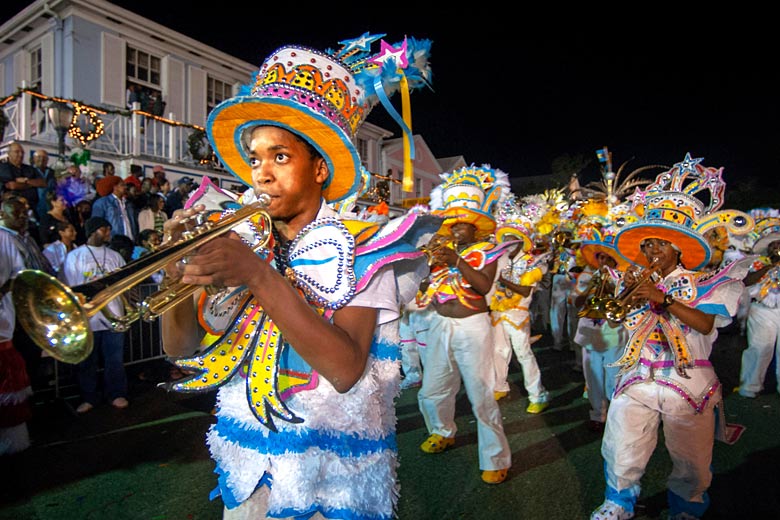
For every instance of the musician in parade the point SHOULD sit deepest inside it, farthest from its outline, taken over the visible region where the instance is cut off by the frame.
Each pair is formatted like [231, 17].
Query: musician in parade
[763, 319]
[459, 340]
[600, 339]
[672, 312]
[300, 336]
[519, 272]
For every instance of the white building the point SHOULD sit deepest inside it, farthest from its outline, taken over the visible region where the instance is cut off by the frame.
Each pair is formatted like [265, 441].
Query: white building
[86, 53]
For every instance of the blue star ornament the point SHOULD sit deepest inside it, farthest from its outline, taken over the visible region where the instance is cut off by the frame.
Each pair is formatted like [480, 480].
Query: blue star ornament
[361, 43]
[688, 164]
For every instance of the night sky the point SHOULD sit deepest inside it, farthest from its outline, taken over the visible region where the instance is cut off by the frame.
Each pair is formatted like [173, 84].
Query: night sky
[517, 91]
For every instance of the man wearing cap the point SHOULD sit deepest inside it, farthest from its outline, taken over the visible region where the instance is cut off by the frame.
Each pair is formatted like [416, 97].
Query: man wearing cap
[158, 175]
[459, 340]
[86, 263]
[302, 334]
[176, 198]
[672, 314]
[136, 176]
[763, 320]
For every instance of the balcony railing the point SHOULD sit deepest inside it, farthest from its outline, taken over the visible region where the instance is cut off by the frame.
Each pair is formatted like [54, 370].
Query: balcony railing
[131, 133]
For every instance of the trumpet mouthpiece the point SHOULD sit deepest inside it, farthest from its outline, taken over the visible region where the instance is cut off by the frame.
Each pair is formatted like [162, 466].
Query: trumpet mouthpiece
[264, 199]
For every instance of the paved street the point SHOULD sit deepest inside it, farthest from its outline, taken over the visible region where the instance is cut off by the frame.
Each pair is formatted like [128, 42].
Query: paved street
[150, 461]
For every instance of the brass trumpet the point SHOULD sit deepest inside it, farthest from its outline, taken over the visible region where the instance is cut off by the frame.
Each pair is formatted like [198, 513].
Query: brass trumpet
[616, 309]
[56, 316]
[436, 244]
[600, 285]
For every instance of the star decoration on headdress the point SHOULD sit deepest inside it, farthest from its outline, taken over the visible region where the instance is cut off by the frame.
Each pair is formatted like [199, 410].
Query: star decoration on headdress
[359, 44]
[387, 53]
[688, 165]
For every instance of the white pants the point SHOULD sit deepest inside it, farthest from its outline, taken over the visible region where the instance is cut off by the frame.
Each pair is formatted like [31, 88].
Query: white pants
[600, 379]
[563, 316]
[411, 329]
[631, 435]
[463, 347]
[763, 339]
[507, 338]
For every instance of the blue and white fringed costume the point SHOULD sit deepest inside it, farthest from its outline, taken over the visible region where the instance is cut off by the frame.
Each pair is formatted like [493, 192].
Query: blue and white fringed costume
[317, 449]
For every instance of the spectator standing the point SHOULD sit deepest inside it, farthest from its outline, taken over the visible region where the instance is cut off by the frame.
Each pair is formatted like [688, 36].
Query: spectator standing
[57, 250]
[40, 162]
[158, 175]
[81, 213]
[459, 340]
[105, 185]
[22, 179]
[179, 196]
[153, 216]
[117, 211]
[57, 212]
[86, 263]
[74, 186]
[136, 176]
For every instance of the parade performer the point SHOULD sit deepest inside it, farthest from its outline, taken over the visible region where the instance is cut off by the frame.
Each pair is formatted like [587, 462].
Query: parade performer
[672, 313]
[763, 320]
[301, 336]
[519, 273]
[601, 341]
[459, 340]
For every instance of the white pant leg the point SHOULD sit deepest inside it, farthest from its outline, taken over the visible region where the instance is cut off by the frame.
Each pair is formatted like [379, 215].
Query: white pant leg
[689, 439]
[520, 339]
[472, 346]
[630, 437]
[410, 356]
[502, 355]
[610, 356]
[559, 292]
[440, 378]
[763, 327]
[595, 378]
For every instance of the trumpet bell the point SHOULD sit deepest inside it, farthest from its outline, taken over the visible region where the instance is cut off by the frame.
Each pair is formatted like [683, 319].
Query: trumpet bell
[52, 315]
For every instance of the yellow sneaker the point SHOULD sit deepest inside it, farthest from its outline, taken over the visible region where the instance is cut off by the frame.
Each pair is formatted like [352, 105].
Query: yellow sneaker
[494, 476]
[437, 443]
[500, 395]
[537, 407]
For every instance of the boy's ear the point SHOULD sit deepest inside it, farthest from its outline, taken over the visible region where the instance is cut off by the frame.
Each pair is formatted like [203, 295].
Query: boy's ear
[322, 171]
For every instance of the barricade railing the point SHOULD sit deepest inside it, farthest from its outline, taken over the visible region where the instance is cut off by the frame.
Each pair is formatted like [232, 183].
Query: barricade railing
[143, 342]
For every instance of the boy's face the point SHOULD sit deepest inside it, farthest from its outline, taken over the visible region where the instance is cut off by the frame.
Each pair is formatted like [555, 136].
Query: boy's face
[283, 168]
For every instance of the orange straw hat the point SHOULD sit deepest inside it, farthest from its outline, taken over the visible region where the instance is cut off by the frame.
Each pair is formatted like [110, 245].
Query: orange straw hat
[671, 211]
[323, 97]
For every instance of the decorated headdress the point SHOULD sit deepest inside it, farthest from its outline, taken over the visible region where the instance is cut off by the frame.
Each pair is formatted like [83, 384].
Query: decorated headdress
[470, 194]
[766, 231]
[602, 240]
[512, 223]
[671, 210]
[323, 97]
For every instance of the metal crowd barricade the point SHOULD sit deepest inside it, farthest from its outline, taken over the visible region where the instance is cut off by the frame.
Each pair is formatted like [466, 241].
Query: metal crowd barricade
[143, 342]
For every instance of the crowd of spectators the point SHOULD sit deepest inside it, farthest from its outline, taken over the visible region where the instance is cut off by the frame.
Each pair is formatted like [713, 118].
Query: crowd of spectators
[72, 196]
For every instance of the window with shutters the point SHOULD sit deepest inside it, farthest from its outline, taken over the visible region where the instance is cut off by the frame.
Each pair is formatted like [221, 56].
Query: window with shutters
[217, 91]
[36, 81]
[143, 68]
[36, 68]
